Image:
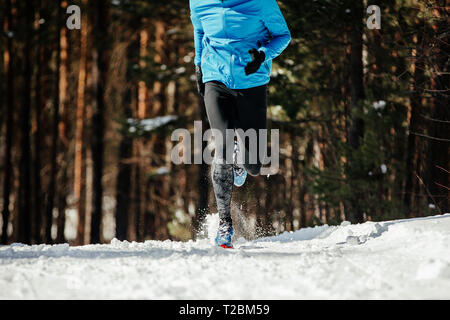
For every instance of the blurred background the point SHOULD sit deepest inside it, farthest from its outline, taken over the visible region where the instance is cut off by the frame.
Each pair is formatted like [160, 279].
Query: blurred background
[86, 118]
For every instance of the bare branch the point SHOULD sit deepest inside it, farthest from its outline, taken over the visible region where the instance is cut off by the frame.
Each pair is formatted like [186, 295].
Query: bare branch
[430, 137]
[432, 119]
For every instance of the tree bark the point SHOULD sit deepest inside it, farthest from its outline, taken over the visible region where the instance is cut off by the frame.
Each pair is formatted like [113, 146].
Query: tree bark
[356, 95]
[39, 105]
[2, 67]
[356, 75]
[123, 186]
[54, 146]
[416, 106]
[80, 150]
[25, 194]
[8, 172]
[63, 185]
[100, 26]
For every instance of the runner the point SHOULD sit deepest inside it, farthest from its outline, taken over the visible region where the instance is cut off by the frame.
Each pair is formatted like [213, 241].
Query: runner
[235, 43]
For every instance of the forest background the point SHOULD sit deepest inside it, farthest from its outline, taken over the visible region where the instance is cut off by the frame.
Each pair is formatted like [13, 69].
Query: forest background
[86, 118]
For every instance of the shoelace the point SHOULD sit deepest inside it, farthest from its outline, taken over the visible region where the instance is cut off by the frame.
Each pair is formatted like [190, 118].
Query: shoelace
[224, 229]
[237, 169]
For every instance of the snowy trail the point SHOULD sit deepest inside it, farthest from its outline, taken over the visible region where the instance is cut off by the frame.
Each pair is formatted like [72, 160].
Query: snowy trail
[402, 259]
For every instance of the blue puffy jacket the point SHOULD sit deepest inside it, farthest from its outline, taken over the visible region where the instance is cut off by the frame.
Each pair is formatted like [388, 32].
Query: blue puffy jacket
[224, 32]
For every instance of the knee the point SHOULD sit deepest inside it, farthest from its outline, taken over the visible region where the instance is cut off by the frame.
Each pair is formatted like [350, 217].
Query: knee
[221, 171]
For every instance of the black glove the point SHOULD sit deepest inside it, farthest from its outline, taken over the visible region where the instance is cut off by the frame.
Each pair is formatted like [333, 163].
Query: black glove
[200, 84]
[258, 57]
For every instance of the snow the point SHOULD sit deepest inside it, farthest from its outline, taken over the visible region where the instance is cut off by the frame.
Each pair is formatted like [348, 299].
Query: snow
[379, 105]
[150, 123]
[400, 259]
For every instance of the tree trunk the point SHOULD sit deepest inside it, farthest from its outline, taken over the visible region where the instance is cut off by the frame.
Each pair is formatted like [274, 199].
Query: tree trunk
[295, 175]
[100, 26]
[416, 106]
[356, 74]
[8, 172]
[54, 146]
[63, 185]
[356, 95]
[138, 173]
[62, 204]
[158, 145]
[25, 195]
[41, 61]
[2, 67]
[123, 186]
[80, 150]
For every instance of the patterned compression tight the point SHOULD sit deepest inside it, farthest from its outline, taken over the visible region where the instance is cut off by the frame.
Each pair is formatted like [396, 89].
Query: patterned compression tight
[233, 109]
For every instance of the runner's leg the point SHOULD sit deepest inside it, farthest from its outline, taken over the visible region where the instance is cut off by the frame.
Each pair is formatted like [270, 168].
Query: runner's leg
[251, 111]
[220, 105]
